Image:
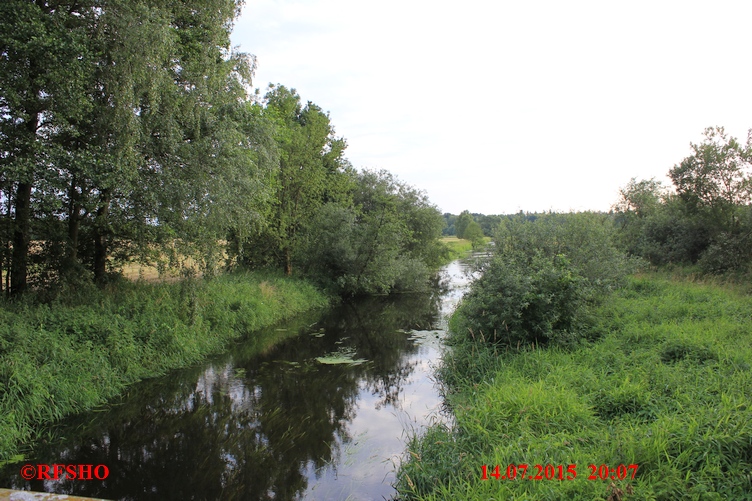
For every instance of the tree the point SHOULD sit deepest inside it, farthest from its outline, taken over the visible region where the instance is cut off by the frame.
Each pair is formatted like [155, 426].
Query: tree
[474, 233]
[121, 127]
[638, 201]
[45, 62]
[311, 172]
[462, 222]
[385, 240]
[716, 178]
[714, 185]
[640, 198]
[175, 168]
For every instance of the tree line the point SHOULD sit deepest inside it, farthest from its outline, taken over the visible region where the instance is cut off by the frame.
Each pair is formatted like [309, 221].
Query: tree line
[129, 132]
[705, 221]
[548, 270]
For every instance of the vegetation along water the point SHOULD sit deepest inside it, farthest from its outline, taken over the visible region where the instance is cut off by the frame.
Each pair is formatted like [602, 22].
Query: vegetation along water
[606, 356]
[129, 137]
[321, 414]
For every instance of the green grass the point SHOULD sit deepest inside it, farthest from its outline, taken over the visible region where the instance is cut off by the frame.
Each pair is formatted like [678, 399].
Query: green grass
[74, 354]
[665, 382]
[458, 248]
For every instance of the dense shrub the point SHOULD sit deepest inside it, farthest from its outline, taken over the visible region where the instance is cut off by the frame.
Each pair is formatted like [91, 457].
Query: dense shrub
[525, 301]
[545, 274]
[387, 241]
[707, 221]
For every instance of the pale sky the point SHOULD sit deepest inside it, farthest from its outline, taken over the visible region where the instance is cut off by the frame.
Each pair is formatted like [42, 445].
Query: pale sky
[497, 107]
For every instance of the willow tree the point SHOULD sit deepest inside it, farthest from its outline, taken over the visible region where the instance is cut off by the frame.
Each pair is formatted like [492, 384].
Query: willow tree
[123, 119]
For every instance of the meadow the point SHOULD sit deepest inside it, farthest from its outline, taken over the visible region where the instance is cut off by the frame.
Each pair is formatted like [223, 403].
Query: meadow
[662, 380]
[458, 247]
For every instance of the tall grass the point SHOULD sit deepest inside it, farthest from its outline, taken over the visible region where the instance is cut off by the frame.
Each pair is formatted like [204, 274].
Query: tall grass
[75, 353]
[664, 381]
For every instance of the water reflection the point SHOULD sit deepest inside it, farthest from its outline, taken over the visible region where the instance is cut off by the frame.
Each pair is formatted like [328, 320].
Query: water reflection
[277, 425]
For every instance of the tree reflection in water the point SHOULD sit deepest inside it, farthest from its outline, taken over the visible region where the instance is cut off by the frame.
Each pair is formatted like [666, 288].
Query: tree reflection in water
[249, 425]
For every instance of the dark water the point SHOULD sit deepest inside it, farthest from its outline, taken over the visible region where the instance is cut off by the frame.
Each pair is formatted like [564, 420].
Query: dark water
[277, 425]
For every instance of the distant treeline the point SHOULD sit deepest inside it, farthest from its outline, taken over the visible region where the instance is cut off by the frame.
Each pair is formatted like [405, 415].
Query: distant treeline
[704, 220]
[128, 132]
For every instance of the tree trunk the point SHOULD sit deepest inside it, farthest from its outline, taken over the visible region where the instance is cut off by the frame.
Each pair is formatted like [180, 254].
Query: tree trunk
[288, 262]
[100, 240]
[74, 225]
[22, 224]
[21, 238]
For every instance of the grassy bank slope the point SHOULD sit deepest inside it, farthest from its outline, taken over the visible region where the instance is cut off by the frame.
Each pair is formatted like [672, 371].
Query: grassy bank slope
[61, 358]
[665, 383]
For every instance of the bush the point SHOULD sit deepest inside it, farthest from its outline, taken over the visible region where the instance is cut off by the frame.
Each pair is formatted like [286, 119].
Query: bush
[518, 302]
[727, 253]
[546, 273]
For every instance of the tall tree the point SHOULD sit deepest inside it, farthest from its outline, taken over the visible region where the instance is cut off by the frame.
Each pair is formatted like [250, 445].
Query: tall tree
[125, 120]
[311, 168]
[462, 222]
[717, 177]
[45, 62]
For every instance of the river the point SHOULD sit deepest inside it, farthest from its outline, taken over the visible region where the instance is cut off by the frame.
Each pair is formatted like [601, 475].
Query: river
[325, 414]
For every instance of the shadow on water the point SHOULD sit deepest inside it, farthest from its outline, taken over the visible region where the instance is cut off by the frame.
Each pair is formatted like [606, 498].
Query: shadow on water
[274, 425]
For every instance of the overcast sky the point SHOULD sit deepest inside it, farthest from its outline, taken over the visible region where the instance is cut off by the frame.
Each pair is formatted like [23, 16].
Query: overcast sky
[497, 107]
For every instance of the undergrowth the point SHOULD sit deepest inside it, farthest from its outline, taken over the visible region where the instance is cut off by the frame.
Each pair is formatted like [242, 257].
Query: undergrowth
[662, 380]
[82, 349]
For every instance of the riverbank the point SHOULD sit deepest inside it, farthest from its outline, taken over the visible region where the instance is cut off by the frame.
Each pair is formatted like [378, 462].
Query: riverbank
[76, 353]
[664, 383]
[459, 248]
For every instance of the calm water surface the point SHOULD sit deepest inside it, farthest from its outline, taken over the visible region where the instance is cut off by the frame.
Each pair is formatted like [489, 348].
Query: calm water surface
[286, 424]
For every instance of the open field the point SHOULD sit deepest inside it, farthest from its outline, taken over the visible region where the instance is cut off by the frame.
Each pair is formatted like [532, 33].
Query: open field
[664, 382]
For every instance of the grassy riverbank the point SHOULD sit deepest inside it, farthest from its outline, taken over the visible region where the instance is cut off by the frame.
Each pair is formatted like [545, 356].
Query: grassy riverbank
[458, 247]
[664, 382]
[73, 354]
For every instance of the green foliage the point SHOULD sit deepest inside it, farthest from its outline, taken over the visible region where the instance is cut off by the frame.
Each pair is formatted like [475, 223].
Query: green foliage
[665, 386]
[474, 233]
[387, 241]
[121, 127]
[449, 229]
[73, 354]
[540, 283]
[707, 222]
[311, 171]
[521, 302]
[716, 176]
[462, 223]
[585, 238]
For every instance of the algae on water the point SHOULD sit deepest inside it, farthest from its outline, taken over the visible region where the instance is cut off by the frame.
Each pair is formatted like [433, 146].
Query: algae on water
[341, 356]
